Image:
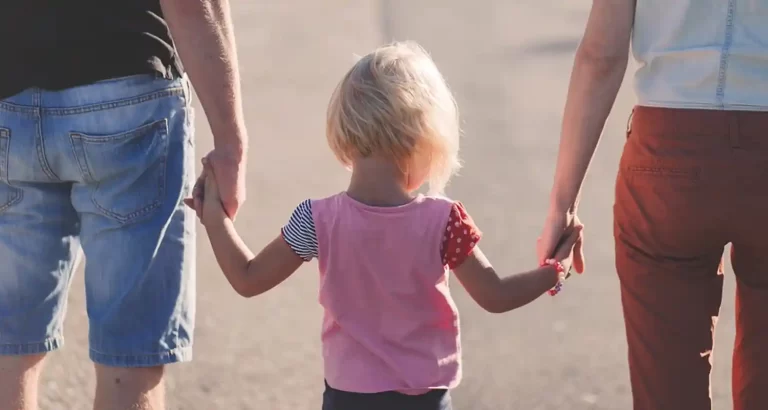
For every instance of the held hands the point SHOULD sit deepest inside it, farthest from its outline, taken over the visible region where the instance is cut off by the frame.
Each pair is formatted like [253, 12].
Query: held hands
[557, 232]
[229, 165]
[566, 248]
[206, 198]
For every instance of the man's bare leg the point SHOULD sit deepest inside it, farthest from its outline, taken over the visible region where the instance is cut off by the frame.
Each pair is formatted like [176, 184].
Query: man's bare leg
[139, 388]
[20, 377]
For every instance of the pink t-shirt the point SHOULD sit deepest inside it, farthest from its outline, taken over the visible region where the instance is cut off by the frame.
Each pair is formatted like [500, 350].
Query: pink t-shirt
[389, 323]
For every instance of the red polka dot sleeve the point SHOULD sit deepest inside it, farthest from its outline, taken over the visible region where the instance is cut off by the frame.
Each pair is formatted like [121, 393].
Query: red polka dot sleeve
[461, 236]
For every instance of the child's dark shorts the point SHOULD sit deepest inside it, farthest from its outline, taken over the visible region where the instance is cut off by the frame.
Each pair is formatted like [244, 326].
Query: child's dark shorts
[438, 399]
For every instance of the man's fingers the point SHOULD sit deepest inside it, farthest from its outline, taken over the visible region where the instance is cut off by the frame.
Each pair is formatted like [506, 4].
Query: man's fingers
[198, 194]
[211, 186]
[199, 187]
[229, 190]
[198, 206]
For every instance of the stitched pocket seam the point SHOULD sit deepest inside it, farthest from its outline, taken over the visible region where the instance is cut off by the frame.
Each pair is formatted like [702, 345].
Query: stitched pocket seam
[15, 193]
[80, 140]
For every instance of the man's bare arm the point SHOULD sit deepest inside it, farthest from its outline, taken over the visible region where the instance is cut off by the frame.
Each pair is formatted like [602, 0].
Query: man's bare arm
[203, 33]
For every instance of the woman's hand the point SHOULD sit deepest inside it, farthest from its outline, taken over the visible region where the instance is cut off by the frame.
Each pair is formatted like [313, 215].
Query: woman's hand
[556, 227]
[598, 71]
[566, 248]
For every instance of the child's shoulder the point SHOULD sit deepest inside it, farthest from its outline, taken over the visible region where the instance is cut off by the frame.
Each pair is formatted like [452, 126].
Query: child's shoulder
[453, 209]
[341, 200]
[440, 201]
[326, 200]
[438, 198]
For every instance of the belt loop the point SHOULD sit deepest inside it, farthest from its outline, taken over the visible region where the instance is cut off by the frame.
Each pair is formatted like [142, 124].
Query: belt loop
[170, 73]
[733, 129]
[37, 98]
[629, 121]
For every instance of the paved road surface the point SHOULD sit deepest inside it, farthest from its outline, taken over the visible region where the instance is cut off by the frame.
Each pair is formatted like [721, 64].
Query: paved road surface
[508, 63]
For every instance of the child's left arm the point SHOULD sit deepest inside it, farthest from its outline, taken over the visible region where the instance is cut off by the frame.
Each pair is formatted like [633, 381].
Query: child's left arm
[249, 275]
[492, 292]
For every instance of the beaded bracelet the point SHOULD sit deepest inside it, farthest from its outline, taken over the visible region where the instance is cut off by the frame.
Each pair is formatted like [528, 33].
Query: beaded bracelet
[560, 269]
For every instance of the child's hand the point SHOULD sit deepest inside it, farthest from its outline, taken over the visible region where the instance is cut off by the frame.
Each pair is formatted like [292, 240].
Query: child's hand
[196, 201]
[205, 197]
[213, 209]
[564, 250]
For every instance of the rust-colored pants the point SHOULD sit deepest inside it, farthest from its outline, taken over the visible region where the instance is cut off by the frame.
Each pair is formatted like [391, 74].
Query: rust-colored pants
[689, 183]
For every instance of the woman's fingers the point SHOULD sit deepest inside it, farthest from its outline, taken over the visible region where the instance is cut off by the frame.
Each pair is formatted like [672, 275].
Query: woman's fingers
[574, 235]
[578, 255]
[546, 244]
[567, 242]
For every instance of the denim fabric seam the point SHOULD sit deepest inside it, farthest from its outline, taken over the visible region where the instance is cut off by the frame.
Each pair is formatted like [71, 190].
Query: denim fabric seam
[18, 194]
[137, 317]
[37, 100]
[16, 108]
[176, 355]
[187, 91]
[82, 161]
[47, 345]
[162, 127]
[167, 92]
[123, 135]
[124, 219]
[724, 55]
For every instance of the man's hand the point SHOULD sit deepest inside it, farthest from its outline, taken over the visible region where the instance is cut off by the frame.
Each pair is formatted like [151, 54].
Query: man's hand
[213, 209]
[229, 167]
[204, 36]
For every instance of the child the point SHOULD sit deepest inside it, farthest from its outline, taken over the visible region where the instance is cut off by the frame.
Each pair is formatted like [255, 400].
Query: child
[390, 330]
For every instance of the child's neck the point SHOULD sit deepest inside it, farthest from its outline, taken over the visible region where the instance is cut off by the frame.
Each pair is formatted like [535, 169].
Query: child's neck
[378, 183]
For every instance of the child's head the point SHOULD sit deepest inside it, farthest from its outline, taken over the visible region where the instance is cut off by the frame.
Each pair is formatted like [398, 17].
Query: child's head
[395, 104]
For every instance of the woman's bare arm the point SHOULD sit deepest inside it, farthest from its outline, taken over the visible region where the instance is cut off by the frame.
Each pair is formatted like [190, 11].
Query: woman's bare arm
[598, 71]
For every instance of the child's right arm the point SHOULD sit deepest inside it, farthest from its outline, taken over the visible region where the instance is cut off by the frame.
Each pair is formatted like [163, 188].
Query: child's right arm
[498, 295]
[248, 275]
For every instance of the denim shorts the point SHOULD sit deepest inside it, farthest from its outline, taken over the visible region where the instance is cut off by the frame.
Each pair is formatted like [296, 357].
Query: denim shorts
[437, 399]
[102, 168]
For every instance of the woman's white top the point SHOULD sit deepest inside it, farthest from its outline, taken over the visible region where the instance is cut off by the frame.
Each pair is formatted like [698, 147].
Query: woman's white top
[707, 54]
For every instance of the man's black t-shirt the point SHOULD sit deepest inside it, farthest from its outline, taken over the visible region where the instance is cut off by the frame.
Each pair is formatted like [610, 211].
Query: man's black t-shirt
[57, 44]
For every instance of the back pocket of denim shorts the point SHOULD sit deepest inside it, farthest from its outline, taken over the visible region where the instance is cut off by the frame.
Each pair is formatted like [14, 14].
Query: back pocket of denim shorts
[125, 172]
[9, 195]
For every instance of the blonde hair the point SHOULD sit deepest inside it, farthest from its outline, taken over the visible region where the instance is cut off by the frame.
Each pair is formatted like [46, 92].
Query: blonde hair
[394, 102]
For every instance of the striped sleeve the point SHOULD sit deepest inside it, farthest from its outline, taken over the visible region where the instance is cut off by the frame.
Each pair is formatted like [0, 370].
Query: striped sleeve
[299, 232]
